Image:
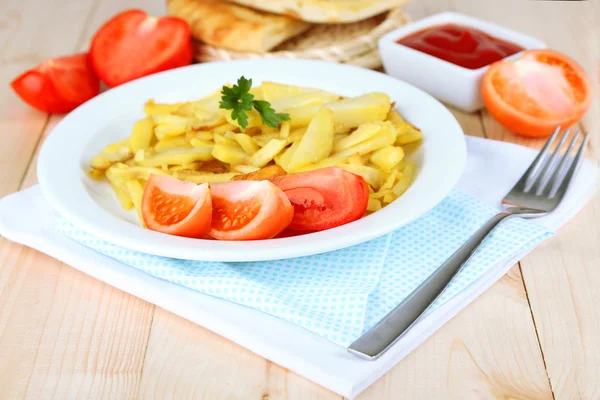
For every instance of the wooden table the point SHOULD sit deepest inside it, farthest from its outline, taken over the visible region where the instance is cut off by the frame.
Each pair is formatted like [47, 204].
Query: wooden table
[535, 334]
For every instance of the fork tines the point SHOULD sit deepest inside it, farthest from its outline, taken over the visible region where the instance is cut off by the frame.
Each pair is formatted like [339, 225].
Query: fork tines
[551, 171]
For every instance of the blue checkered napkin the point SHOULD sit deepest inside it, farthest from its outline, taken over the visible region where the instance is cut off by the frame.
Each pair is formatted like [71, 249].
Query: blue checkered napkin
[340, 294]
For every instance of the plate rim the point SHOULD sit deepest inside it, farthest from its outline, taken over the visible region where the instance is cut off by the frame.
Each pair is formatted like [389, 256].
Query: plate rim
[181, 248]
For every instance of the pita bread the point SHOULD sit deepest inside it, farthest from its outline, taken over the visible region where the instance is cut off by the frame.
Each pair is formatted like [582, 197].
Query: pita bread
[354, 43]
[325, 11]
[235, 27]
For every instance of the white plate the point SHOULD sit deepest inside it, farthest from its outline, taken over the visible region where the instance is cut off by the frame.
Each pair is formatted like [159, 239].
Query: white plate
[110, 116]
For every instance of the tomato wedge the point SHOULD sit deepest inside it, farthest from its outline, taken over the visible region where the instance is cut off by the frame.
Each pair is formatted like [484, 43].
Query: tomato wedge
[534, 94]
[58, 85]
[176, 207]
[248, 210]
[133, 44]
[324, 198]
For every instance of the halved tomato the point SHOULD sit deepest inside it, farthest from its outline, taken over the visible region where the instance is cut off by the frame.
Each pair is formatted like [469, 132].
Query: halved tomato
[534, 94]
[133, 44]
[248, 210]
[176, 207]
[324, 198]
[58, 85]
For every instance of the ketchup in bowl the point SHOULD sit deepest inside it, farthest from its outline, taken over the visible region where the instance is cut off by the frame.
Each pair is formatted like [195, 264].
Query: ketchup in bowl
[460, 45]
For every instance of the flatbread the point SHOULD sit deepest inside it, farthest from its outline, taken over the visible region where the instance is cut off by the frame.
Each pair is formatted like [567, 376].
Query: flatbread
[354, 43]
[325, 11]
[234, 27]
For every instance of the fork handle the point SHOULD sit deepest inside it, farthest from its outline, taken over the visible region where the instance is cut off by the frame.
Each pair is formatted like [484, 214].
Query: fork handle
[391, 328]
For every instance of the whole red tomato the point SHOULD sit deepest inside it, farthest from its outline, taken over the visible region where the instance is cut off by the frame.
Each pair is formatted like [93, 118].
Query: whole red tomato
[133, 44]
[58, 85]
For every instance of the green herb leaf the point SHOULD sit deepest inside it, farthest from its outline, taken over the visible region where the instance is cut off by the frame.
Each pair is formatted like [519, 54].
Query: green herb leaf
[238, 99]
[268, 115]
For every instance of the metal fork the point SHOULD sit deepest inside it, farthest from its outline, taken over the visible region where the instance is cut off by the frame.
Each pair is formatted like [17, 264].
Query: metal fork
[538, 192]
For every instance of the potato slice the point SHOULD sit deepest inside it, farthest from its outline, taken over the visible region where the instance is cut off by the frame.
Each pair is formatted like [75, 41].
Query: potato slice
[373, 205]
[244, 169]
[355, 111]
[121, 147]
[152, 108]
[385, 137]
[136, 192]
[200, 177]
[245, 142]
[387, 158]
[283, 158]
[301, 116]
[317, 142]
[303, 99]
[373, 176]
[407, 176]
[263, 156]
[274, 91]
[124, 172]
[178, 157]
[105, 160]
[261, 174]
[142, 134]
[362, 133]
[284, 131]
[229, 153]
[170, 143]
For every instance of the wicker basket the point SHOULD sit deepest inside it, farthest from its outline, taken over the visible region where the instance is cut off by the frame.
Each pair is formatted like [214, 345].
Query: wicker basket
[354, 43]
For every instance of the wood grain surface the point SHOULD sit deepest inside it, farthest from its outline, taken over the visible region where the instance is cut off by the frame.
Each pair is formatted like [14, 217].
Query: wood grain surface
[534, 335]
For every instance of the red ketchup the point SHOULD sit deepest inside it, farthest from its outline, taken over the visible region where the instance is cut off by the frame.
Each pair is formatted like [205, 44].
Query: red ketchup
[460, 45]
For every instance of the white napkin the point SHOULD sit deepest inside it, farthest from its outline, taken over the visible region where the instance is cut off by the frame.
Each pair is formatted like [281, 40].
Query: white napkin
[492, 169]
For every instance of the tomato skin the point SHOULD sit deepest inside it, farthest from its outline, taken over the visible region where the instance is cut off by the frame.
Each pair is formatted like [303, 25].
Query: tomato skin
[324, 198]
[58, 85]
[192, 204]
[557, 93]
[133, 44]
[264, 210]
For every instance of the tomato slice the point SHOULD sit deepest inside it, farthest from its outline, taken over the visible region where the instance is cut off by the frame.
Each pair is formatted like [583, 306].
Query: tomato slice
[58, 85]
[534, 94]
[176, 207]
[133, 44]
[324, 198]
[248, 210]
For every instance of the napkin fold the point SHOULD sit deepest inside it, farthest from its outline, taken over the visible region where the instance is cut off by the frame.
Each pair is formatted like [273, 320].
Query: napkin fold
[492, 169]
[340, 294]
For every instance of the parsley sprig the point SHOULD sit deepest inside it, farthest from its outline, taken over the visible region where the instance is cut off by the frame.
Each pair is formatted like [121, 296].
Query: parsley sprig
[239, 99]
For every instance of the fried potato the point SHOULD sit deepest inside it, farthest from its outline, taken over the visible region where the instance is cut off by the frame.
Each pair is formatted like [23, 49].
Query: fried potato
[362, 133]
[355, 111]
[105, 160]
[274, 91]
[120, 147]
[200, 177]
[229, 153]
[169, 143]
[387, 158]
[200, 142]
[245, 142]
[261, 174]
[316, 144]
[385, 137]
[373, 205]
[136, 192]
[373, 176]
[263, 156]
[177, 157]
[142, 134]
[125, 172]
[303, 99]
